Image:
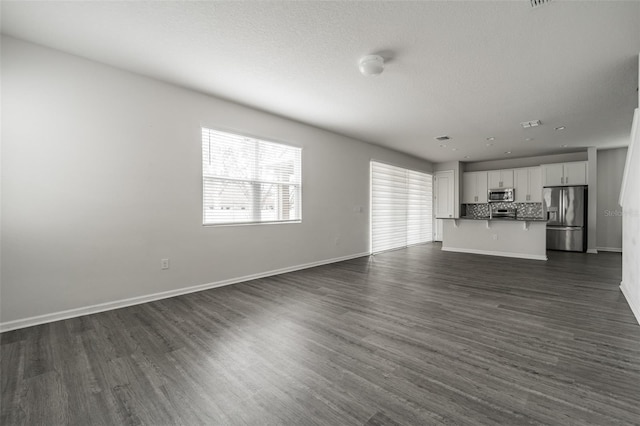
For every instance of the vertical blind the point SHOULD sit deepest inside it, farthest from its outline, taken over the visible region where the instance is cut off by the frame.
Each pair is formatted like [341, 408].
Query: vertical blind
[248, 180]
[401, 203]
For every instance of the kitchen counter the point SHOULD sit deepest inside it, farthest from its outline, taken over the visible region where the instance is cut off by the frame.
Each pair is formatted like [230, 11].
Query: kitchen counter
[523, 237]
[522, 219]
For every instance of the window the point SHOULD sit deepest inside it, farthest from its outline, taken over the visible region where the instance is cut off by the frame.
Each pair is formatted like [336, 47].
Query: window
[400, 207]
[248, 180]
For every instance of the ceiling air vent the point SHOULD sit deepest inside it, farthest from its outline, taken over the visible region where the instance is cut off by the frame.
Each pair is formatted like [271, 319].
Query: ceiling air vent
[443, 138]
[533, 123]
[538, 3]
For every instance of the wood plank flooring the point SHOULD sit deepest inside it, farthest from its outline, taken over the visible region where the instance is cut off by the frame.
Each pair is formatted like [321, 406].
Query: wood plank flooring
[409, 337]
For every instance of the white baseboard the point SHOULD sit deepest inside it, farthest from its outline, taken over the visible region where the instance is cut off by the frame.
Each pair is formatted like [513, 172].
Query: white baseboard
[614, 249]
[634, 307]
[592, 251]
[108, 306]
[496, 253]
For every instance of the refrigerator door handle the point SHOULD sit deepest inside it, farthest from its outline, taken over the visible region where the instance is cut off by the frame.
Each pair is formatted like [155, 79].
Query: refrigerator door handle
[565, 228]
[563, 207]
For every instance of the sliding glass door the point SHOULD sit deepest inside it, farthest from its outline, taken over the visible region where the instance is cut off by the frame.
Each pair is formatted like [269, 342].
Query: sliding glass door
[401, 202]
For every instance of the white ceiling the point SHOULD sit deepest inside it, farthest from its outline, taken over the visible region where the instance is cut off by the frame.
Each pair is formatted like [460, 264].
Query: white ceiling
[470, 70]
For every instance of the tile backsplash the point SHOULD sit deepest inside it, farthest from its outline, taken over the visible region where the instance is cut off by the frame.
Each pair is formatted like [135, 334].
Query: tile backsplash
[523, 209]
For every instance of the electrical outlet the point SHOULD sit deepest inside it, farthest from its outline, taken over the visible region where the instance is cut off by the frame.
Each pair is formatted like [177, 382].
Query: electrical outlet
[164, 263]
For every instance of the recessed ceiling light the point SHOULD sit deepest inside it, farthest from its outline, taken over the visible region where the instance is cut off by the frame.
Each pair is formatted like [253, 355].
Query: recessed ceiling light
[507, 152]
[528, 139]
[491, 138]
[560, 128]
[443, 146]
[564, 145]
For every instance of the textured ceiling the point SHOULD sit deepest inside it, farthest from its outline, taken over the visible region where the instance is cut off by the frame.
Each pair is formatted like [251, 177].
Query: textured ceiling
[470, 70]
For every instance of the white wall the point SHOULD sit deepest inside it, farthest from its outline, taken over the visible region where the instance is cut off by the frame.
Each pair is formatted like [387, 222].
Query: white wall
[514, 163]
[630, 202]
[630, 198]
[101, 178]
[610, 169]
[592, 200]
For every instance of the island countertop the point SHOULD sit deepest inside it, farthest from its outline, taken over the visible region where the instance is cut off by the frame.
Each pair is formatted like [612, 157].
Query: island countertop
[518, 218]
[520, 237]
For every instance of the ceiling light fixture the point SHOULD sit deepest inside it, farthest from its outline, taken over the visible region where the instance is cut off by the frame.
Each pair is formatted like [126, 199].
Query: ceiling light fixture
[371, 65]
[528, 139]
[491, 138]
[507, 152]
[564, 145]
[560, 128]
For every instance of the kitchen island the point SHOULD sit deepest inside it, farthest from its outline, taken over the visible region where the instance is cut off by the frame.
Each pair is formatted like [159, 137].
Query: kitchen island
[522, 237]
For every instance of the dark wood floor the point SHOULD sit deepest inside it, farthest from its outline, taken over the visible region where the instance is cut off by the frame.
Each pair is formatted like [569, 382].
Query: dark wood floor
[415, 336]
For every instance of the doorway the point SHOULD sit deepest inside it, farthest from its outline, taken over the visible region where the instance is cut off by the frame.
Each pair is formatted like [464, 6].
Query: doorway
[444, 200]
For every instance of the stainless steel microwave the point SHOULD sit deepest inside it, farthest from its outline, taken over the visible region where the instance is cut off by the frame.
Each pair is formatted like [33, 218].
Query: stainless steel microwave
[500, 195]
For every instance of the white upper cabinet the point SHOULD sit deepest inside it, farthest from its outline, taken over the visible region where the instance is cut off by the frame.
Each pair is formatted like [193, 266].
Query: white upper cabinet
[535, 184]
[474, 187]
[564, 174]
[553, 174]
[521, 186]
[575, 173]
[528, 185]
[500, 178]
[468, 188]
[482, 187]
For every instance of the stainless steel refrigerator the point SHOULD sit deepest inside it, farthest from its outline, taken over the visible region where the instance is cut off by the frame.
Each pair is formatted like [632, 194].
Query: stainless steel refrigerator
[565, 209]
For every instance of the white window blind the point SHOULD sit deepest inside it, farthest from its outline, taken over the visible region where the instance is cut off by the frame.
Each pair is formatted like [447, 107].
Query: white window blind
[400, 207]
[248, 180]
